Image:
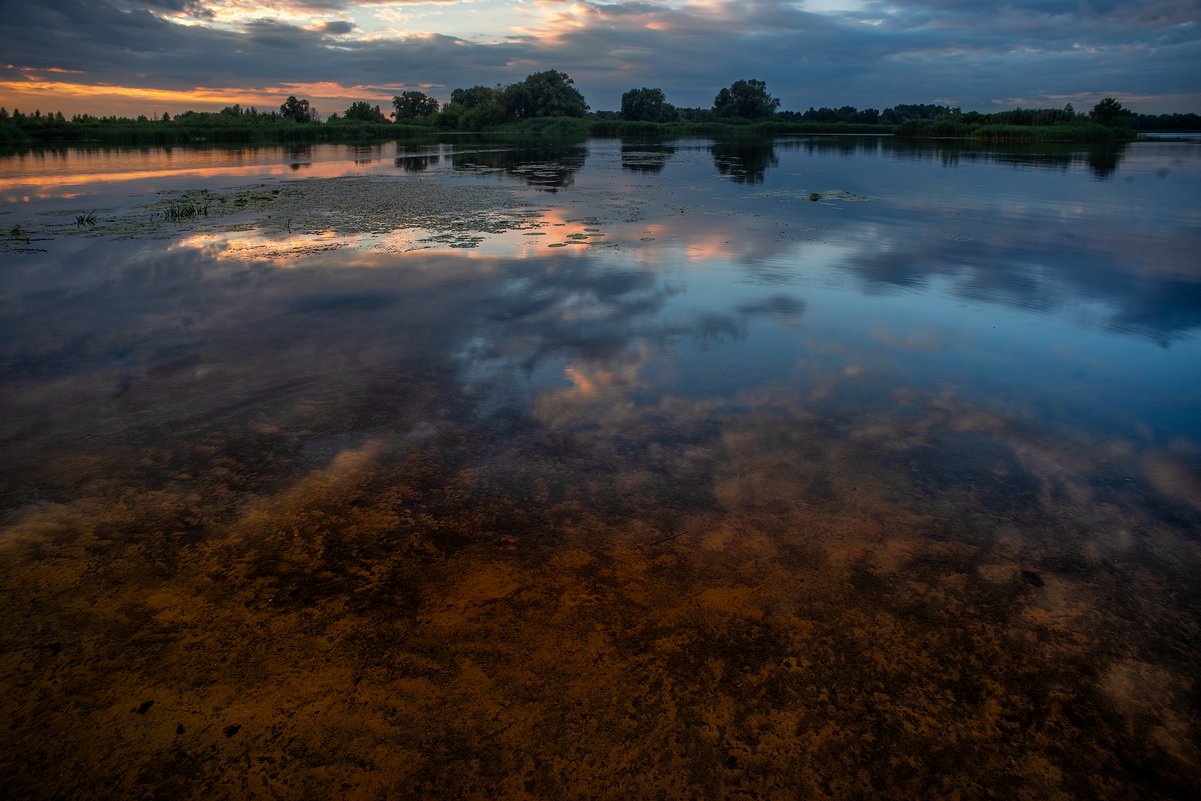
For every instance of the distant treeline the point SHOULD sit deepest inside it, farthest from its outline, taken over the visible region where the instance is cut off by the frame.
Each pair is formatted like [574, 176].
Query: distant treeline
[1106, 121]
[898, 115]
[231, 125]
[548, 102]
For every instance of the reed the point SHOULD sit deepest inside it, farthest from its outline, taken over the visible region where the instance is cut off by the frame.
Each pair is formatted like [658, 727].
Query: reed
[185, 210]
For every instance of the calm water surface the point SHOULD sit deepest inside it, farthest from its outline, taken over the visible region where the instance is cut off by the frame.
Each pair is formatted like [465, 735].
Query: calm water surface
[814, 468]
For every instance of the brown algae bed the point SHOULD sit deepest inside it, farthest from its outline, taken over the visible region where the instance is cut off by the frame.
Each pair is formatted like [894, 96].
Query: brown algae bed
[221, 580]
[743, 606]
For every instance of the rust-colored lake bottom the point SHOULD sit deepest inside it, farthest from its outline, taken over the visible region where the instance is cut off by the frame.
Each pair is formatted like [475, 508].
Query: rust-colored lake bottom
[772, 606]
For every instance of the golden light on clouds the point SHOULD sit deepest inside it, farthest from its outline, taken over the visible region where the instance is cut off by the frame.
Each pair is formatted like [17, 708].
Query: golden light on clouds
[205, 95]
[230, 13]
[72, 97]
[556, 19]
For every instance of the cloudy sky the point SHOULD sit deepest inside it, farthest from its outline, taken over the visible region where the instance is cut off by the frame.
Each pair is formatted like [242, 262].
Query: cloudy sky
[125, 57]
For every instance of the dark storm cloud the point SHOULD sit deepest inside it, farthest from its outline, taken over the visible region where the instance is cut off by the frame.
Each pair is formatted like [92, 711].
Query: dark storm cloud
[193, 7]
[974, 55]
[135, 48]
[916, 52]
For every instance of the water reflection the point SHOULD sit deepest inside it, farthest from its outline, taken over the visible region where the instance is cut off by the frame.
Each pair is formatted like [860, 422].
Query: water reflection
[418, 162]
[745, 161]
[367, 154]
[1104, 162]
[62, 173]
[300, 156]
[1102, 159]
[1135, 276]
[550, 166]
[843, 145]
[648, 157]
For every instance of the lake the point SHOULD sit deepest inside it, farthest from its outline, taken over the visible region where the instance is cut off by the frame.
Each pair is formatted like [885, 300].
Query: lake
[829, 468]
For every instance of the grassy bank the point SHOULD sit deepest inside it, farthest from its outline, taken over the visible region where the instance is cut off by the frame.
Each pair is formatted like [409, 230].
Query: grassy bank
[584, 127]
[1068, 132]
[174, 133]
[155, 132]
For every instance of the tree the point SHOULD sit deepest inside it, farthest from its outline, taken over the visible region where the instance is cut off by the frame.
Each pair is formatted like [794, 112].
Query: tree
[483, 116]
[361, 111]
[646, 104]
[913, 111]
[298, 110]
[413, 106]
[545, 94]
[1110, 112]
[748, 99]
[476, 96]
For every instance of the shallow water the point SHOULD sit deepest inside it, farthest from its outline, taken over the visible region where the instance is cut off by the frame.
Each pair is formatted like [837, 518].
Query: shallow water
[602, 470]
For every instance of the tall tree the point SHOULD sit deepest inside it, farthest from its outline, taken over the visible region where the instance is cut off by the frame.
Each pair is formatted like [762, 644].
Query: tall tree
[361, 111]
[298, 110]
[646, 104]
[1110, 112]
[476, 96]
[746, 98]
[413, 106]
[545, 94]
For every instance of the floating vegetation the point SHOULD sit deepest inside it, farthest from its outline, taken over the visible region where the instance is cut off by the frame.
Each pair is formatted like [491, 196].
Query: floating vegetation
[829, 194]
[351, 211]
[838, 194]
[18, 237]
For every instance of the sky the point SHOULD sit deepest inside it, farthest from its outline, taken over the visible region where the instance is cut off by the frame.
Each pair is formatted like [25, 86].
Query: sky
[129, 58]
